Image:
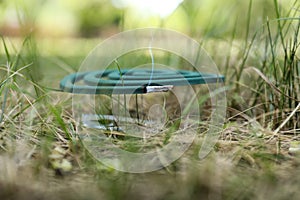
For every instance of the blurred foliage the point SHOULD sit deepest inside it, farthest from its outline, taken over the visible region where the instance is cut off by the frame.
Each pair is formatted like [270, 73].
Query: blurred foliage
[219, 19]
[209, 18]
[96, 16]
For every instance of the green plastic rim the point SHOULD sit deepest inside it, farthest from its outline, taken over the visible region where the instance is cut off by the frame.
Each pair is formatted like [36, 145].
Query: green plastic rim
[132, 81]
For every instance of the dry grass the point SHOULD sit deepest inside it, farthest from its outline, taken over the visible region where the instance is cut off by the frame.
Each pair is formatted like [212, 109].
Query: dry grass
[245, 164]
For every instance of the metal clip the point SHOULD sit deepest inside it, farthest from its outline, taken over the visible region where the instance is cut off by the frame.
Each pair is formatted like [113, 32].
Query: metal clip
[163, 88]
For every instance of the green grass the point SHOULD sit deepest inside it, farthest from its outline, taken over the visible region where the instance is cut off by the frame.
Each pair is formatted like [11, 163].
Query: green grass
[42, 157]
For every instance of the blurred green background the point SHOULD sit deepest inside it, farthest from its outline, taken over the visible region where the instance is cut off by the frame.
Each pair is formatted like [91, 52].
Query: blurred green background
[94, 18]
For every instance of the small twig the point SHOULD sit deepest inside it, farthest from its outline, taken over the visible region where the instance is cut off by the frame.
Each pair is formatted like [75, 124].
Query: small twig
[287, 119]
[275, 133]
